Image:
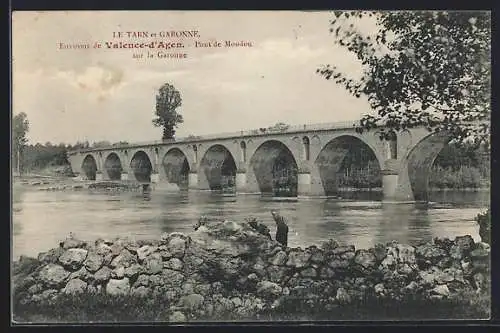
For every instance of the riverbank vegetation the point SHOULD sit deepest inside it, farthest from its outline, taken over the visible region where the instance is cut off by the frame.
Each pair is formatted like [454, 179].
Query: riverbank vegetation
[455, 167]
[106, 308]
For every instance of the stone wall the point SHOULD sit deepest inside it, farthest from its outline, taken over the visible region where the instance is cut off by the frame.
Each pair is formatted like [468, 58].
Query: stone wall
[227, 266]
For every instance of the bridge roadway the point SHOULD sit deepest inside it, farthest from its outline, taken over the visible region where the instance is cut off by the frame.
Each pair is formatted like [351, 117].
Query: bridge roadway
[305, 159]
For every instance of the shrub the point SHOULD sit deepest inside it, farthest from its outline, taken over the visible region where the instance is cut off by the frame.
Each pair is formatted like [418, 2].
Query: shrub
[484, 221]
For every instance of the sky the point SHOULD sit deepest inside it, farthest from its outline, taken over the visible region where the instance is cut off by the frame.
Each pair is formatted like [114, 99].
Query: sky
[97, 94]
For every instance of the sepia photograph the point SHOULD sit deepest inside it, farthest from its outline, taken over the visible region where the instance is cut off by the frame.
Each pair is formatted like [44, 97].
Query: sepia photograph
[185, 167]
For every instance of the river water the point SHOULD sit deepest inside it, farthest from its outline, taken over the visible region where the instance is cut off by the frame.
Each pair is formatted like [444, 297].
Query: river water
[41, 219]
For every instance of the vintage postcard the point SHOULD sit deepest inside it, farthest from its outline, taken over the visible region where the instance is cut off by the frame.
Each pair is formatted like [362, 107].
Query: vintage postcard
[256, 166]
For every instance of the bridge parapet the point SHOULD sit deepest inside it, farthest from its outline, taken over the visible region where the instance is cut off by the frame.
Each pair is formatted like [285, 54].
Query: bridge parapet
[239, 134]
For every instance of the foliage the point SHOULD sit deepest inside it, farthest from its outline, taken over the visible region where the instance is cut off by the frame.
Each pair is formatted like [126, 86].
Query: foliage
[463, 305]
[101, 144]
[278, 127]
[81, 145]
[106, 308]
[20, 127]
[419, 68]
[454, 156]
[484, 221]
[94, 307]
[361, 176]
[168, 100]
[37, 157]
[120, 143]
[463, 177]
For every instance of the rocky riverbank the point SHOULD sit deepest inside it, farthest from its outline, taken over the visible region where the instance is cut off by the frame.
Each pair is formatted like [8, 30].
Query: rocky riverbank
[74, 184]
[228, 268]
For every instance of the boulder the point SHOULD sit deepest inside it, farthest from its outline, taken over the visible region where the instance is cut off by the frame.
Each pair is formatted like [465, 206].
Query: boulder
[118, 272]
[172, 278]
[379, 289]
[53, 275]
[309, 272]
[298, 259]
[278, 259]
[153, 264]
[102, 275]
[268, 289]
[49, 294]
[133, 270]
[187, 288]
[231, 226]
[177, 317]
[103, 249]
[329, 245]
[365, 259]
[75, 286]
[145, 251]
[142, 280]
[343, 249]
[177, 246]
[140, 291]
[406, 254]
[174, 263]
[317, 256]
[411, 287]
[388, 262]
[93, 262]
[441, 290]
[443, 243]
[229, 268]
[339, 264]
[35, 289]
[116, 249]
[430, 254]
[192, 301]
[379, 251]
[118, 287]
[276, 273]
[327, 273]
[73, 258]
[82, 274]
[125, 259]
[71, 242]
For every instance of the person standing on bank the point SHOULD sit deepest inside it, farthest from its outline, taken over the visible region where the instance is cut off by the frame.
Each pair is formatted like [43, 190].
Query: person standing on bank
[281, 228]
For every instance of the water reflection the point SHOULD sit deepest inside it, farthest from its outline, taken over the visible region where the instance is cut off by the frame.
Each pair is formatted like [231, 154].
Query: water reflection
[42, 219]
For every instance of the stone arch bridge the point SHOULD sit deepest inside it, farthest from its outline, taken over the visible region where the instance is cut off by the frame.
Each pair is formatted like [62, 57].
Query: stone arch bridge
[305, 158]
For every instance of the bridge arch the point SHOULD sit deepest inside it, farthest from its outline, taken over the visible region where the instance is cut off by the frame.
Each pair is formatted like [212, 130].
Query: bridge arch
[217, 169]
[337, 155]
[89, 167]
[141, 167]
[419, 161]
[176, 167]
[113, 166]
[274, 167]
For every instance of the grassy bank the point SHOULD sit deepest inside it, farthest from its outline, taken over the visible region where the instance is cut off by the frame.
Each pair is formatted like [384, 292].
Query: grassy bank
[106, 308]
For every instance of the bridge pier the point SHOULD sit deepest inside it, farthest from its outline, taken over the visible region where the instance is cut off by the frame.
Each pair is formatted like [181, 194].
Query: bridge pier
[303, 184]
[389, 184]
[155, 178]
[124, 176]
[99, 176]
[193, 180]
[241, 182]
